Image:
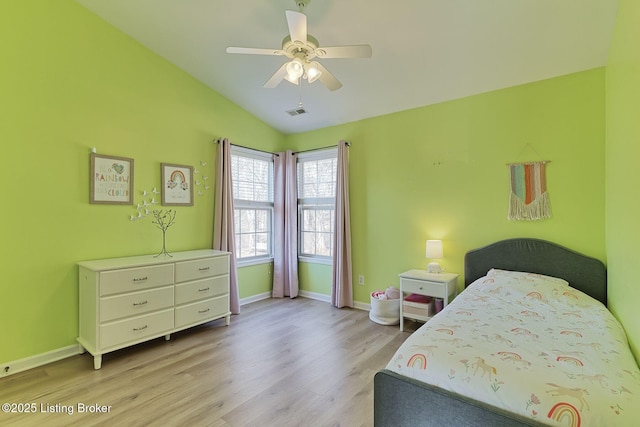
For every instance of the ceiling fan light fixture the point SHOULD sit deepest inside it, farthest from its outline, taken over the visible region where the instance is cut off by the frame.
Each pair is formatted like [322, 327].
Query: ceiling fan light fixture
[295, 70]
[313, 72]
[301, 48]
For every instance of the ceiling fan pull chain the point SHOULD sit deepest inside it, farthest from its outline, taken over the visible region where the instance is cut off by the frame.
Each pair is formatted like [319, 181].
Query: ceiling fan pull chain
[300, 94]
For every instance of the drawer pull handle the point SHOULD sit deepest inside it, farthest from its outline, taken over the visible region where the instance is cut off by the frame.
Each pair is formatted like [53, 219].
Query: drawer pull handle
[203, 311]
[141, 328]
[140, 279]
[140, 303]
[203, 268]
[204, 289]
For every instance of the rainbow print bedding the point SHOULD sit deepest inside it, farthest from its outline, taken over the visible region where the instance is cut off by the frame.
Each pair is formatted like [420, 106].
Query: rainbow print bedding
[531, 345]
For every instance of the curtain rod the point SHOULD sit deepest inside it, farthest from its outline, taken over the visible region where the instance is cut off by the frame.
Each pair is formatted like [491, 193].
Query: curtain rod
[217, 141]
[348, 144]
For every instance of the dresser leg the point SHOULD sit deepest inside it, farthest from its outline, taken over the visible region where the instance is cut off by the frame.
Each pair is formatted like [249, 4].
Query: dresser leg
[97, 361]
[227, 320]
[167, 337]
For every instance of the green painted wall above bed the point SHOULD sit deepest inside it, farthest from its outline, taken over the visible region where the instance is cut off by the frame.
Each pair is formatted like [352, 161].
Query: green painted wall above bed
[439, 172]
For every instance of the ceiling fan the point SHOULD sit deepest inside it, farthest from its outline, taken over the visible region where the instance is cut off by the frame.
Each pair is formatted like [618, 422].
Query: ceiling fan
[302, 49]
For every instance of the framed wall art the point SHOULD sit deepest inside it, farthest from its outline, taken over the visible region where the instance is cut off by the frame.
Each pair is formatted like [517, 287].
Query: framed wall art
[177, 185]
[111, 180]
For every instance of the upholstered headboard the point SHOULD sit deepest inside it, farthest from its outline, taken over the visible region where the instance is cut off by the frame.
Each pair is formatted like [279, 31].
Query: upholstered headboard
[584, 273]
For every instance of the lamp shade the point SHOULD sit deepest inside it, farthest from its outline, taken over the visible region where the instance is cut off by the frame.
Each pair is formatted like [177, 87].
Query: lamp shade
[313, 73]
[434, 249]
[295, 70]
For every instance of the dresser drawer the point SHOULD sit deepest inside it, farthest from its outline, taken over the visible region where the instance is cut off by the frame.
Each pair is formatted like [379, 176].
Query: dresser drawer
[201, 268]
[135, 279]
[424, 287]
[201, 289]
[199, 311]
[135, 303]
[135, 328]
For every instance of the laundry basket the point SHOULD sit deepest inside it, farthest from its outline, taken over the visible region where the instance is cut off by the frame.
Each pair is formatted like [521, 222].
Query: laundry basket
[384, 311]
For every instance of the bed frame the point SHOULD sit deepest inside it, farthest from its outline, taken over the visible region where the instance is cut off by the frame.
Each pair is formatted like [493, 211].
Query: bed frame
[403, 402]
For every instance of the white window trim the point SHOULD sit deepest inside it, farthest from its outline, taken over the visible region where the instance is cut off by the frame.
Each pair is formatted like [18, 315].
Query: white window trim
[325, 260]
[328, 153]
[249, 204]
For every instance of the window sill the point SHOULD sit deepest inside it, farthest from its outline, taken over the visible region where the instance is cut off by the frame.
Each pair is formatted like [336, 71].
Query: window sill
[250, 262]
[312, 260]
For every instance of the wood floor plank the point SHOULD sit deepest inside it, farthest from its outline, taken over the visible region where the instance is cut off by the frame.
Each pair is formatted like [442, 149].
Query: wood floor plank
[281, 363]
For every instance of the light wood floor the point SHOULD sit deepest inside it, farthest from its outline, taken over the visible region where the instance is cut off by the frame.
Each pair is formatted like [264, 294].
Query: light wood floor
[280, 363]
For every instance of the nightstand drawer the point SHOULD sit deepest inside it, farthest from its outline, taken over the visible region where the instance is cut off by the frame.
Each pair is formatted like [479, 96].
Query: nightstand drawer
[135, 279]
[423, 287]
[201, 268]
[135, 303]
[136, 328]
[201, 289]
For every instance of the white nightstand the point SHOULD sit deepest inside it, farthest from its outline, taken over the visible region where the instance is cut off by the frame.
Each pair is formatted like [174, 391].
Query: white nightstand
[440, 285]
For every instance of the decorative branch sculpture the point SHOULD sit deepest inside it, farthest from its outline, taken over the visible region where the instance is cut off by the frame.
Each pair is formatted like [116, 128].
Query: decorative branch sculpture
[163, 219]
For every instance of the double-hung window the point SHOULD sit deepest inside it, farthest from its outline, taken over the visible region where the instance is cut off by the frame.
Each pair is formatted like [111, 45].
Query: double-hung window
[252, 176]
[317, 172]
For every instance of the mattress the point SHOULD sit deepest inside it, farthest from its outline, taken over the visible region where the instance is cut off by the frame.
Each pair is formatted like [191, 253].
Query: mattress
[532, 345]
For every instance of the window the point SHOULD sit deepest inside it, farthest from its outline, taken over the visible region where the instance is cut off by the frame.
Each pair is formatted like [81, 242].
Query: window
[252, 176]
[316, 203]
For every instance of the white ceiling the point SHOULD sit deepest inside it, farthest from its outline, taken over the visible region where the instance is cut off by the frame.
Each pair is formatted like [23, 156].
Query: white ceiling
[424, 51]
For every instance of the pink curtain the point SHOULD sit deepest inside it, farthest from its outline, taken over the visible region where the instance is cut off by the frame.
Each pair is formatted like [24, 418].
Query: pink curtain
[223, 233]
[285, 231]
[341, 289]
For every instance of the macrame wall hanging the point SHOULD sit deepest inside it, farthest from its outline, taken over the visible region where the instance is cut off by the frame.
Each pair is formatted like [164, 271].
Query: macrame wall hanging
[529, 199]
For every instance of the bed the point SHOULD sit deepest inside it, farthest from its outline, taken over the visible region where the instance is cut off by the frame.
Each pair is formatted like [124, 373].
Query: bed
[529, 342]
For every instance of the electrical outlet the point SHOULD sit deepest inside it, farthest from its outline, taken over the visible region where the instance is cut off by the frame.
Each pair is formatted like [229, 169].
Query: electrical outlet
[361, 280]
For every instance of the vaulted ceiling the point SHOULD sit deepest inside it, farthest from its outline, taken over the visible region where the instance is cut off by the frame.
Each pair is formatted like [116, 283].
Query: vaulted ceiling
[424, 51]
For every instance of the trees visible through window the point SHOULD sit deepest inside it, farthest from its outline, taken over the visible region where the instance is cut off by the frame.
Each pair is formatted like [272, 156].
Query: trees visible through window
[316, 203]
[252, 176]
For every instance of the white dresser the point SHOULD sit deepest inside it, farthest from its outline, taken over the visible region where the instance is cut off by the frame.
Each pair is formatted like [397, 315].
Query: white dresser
[125, 301]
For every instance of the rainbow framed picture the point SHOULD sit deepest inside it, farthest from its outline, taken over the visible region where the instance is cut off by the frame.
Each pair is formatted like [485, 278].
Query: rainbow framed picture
[177, 185]
[111, 180]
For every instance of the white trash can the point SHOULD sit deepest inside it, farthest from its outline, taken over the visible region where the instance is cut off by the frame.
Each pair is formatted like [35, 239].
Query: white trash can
[385, 311]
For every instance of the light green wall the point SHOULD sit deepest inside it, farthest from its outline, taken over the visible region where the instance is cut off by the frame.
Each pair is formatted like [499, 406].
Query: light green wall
[440, 172]
[623, 151]
[315, 278]
[255, 280]
[69, 82]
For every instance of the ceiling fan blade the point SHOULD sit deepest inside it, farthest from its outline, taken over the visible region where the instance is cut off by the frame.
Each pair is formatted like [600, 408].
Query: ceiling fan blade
[254, 51]
[277, 77]
[297, 23]
[355, 51]
[328, 79]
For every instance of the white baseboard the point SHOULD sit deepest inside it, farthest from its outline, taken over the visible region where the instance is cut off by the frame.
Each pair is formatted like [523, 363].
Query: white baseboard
[315, 296]
[254, 298]
[362, 306]
[327, 298]
[31, 362]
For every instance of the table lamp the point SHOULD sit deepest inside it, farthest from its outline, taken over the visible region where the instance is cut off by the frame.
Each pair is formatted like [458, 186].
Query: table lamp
[434, 251]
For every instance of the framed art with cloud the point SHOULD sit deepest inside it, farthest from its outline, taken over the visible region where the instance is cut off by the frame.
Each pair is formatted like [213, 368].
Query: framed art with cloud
[111, 180]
